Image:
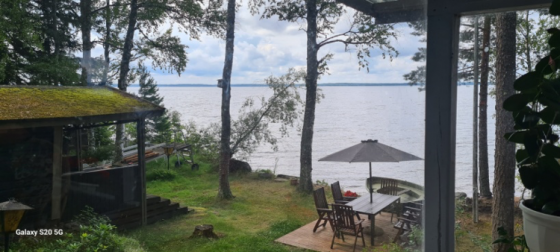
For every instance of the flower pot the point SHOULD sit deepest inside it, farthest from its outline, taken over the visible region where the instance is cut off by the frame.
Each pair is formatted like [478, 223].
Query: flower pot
[542, 231]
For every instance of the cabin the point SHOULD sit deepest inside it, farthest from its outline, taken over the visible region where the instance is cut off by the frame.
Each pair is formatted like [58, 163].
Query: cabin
[42, 131]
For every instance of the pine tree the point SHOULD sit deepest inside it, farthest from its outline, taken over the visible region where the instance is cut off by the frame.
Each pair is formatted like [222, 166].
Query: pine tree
[157, 129]
[504, 170]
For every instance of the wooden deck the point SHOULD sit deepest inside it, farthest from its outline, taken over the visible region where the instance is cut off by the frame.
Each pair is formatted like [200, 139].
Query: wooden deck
[321, 239]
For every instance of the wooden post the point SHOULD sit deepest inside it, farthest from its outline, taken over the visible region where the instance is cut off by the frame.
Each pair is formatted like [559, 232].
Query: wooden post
[441, 114]
[78, 133]
[56, 195]
[140, 131]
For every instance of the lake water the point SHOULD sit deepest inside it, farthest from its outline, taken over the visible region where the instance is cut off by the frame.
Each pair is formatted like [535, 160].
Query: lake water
[394, 115]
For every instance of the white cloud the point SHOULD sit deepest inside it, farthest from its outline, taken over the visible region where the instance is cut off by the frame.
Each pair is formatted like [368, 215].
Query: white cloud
[265, 47]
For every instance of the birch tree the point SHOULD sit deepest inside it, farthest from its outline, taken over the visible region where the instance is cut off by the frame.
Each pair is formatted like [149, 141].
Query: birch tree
[224, 190]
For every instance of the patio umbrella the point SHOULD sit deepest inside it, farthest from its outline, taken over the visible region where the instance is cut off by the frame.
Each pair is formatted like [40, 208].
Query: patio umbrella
[370, 151]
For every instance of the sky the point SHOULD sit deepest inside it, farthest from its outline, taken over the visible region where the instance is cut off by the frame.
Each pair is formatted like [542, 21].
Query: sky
[265, 47]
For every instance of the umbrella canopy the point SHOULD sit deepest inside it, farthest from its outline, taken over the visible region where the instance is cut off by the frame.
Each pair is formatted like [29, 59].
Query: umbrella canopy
[370, 151]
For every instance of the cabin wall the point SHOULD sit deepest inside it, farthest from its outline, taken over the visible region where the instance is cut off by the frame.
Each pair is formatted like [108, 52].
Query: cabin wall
[26, 174]
[26, 170]
[104, 190]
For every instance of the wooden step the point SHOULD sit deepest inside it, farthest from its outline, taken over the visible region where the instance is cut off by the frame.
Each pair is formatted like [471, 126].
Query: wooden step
[150, 199]
[137, 210]
[157, 209]
[152, 219]
[182, 210]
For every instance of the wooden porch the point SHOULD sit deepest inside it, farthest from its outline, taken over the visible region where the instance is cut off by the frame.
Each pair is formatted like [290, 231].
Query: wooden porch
[304, 237]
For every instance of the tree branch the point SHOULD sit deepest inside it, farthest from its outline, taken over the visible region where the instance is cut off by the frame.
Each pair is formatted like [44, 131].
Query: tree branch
[112, 5]
[254, 126]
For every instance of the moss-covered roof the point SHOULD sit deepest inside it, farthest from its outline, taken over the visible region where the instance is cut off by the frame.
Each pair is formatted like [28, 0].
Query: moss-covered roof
[49, 103]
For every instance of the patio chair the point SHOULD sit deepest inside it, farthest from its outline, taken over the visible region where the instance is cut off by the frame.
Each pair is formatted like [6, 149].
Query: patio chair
[322, 209]
[337, 194]
[412, 217]
[390, 187]
[344, 223]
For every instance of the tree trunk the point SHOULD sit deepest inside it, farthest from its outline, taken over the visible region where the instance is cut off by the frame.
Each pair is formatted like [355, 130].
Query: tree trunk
[504, 171]
[305, 181]
[204, 231]
[128, 44]
[85, 26]
[484, 179]
[224, 191]
[127, 54]
[106, 46]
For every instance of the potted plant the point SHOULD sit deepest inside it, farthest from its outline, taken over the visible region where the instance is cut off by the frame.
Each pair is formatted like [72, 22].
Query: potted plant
[536, 112]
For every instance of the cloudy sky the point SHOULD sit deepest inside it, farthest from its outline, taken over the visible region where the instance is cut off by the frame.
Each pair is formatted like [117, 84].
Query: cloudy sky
[265, 47]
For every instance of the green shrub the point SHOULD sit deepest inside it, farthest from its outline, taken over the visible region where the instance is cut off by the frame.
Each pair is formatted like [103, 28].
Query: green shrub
[161, 174]
[99, 154]
[95, 234]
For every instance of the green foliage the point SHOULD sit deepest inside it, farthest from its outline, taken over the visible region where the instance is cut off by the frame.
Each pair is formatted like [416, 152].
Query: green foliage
[36, 42]
[158, 129]
[322, 183]
[415, 238]
[95, 234]
[535, 111]
[205, 142]
[531, 31]
[284, 107]
[265, 174]
[130, 134]
[162, 49]
[45, 102]
[518, 243]
[161, 174]
[100, 153]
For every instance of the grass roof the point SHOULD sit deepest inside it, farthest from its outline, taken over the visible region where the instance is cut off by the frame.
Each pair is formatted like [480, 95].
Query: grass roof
[48, 102]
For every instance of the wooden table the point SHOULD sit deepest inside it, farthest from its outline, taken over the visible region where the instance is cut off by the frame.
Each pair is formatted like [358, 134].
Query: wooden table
[380, 201]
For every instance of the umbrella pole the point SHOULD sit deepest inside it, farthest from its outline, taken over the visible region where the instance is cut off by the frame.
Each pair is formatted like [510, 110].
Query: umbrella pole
[370, 190]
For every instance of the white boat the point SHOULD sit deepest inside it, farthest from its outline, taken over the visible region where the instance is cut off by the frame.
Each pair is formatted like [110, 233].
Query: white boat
[408, 191]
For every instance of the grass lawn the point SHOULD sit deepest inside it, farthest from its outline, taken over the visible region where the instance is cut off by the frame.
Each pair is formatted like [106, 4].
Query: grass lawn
[471, 236]
[262, 211]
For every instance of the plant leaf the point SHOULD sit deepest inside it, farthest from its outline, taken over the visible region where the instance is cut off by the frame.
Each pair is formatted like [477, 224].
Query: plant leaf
[552, 207]
[515, 102]
[550, 164]
[543, 67]
[555, 8]
[532, 143]
[528, 176]
[549, 115]
[516, 137]
[554, 40]
[521, 155]
[527, 81]
[551, 150]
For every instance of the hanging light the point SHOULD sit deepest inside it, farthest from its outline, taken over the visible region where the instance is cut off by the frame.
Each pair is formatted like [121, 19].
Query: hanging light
[11, 213]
